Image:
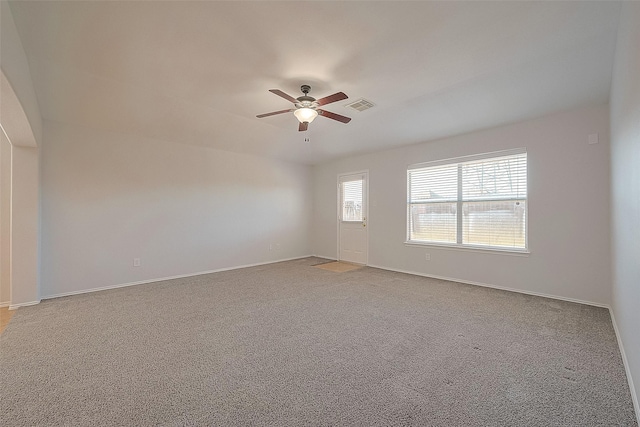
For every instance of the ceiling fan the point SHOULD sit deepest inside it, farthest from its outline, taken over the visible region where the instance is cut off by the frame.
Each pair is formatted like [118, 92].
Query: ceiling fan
[307, 107]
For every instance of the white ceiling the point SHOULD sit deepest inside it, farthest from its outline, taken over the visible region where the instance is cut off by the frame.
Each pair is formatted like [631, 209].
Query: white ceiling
[199, 72]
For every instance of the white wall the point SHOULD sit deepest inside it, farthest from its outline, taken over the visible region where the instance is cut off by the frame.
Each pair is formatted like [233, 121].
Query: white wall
[568, 208]
[5, 220]
[625, 187]
[108, 198]
[24, 225]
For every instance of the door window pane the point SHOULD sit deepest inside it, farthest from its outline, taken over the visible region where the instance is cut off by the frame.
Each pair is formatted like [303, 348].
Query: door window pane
[352, 200]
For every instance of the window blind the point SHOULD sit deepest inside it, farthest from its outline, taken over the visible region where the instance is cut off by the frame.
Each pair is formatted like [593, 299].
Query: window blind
[480, 202]
[352, 200]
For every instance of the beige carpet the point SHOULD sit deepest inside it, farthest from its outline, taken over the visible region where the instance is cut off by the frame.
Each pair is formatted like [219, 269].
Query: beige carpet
[288, 344]
[338, 266]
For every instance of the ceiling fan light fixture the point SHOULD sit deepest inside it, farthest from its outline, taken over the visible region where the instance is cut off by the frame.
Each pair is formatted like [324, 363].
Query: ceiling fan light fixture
[305, 114]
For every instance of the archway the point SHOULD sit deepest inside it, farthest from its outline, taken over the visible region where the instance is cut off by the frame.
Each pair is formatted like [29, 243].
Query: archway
[19, 203]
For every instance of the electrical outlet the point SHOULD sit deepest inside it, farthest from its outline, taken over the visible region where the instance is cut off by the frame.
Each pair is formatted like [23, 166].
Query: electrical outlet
[427, 257]
[277, 246]
[136, 262]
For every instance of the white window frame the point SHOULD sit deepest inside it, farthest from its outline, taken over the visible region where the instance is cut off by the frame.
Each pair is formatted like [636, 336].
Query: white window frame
[459, 245]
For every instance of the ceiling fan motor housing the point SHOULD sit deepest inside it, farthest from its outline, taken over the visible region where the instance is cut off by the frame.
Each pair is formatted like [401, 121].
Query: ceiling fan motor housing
[306, 101]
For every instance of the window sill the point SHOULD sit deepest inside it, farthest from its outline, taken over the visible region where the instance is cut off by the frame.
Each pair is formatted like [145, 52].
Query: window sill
[466, 248]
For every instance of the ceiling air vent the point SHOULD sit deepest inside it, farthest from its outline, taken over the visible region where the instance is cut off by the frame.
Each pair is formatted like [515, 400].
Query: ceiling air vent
[360, 105]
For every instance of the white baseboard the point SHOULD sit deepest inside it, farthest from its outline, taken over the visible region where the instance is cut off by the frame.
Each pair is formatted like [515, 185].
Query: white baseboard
[634, 396]
[325, 256]
[23, 304]
[159, 279]
[486, 285]
[4, 304]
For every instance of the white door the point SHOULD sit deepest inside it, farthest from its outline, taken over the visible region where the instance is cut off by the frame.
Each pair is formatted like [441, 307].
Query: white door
[352, 218]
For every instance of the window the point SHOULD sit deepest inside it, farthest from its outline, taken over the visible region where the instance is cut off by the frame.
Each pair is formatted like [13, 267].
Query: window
[476, 201]
[352, 200]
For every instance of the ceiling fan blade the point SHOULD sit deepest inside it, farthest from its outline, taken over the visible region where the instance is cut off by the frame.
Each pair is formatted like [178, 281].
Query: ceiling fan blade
[303, 126]
[334, 116]
[274, 113]
[332, 98]
[284, 95]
